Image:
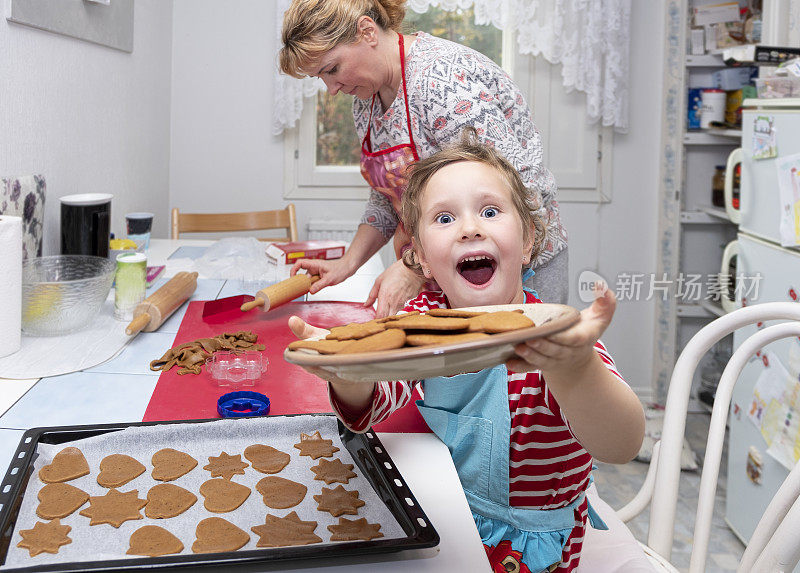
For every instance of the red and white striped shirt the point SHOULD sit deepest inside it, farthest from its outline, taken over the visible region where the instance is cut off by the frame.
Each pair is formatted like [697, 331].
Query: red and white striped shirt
[548, 468]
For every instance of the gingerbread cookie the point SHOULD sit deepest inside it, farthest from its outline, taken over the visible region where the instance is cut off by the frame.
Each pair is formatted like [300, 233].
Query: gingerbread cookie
[59, 500]
[225, 465]
[333, 471]
[355, 330]
[166, 500]
[169, 464]
[153, 541]
[387, 340]
[322, 346]
[338, 501]
[454, 312]
[44, 537]
[354, 529]
[427, 322]
[67, 464]
[266, 459]
[118, 469]
[429, 339]
[280, 493]
[215, 535]
[285, 531]
[396, 316]
[114, 508]
[222, 495]
[314, 446]
[500, 321]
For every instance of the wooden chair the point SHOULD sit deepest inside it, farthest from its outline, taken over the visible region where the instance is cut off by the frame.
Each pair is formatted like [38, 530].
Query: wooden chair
[775, 546]
[226, 222]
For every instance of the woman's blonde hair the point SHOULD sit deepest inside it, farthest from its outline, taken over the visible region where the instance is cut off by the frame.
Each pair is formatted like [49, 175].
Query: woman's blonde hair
[314, 27]
[468, 149]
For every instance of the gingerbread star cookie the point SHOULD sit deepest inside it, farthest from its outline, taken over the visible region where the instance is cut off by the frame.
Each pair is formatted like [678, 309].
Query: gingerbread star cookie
[222, 495]
[114, 508]
[266, 459]
[333, 471]
[153, 541]
[169, 464]
[44, 537]
[280, 493]
[353, 529]
[58, 500]
[165, 500]
[284, 531]
[314, 446]
[215, 534]
[118, 469]
[338, 501]
[225, 466]
[67, 464]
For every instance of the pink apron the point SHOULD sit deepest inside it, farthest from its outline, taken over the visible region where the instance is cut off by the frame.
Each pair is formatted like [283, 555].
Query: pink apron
[385, 170]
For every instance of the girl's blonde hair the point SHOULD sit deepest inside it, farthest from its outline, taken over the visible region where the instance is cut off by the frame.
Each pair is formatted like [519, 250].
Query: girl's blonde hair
[314, 27]
[468, 149]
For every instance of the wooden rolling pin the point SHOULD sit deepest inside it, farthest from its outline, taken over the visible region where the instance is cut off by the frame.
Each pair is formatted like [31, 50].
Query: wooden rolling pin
[156, 308]
[282, 292]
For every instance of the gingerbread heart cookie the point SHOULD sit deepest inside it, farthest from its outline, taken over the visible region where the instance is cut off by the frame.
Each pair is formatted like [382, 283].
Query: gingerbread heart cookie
[215, 534]
[167, 500]
[58, 500]
[333, 471]
[114, 508]
[315, 447]
[338, 501]
[266, 459]
[67, 464]
[152, 541]
[118, 469]
[354, 529]
[386, 340]
[222, 495]
[169, 464]
[500, 321]
[44, 537]
[429, 339]
[355, 330]
[225, 465]
[322, 346]
[280, 493]
[285, 531]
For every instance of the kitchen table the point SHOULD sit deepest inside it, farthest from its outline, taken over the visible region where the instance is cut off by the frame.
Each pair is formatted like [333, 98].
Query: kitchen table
[120, 389]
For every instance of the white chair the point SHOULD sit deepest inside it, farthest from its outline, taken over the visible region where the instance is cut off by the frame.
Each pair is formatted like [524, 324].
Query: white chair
[776, 544]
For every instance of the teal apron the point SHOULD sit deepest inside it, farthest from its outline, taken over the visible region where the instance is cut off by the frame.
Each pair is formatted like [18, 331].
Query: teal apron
[470, 414]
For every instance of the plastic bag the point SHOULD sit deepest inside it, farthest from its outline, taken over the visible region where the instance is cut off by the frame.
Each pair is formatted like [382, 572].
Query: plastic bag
[236, 258]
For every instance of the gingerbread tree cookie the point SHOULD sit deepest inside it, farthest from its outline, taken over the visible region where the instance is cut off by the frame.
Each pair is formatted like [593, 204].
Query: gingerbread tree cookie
[225, 466]
[114, 508]
[331, 471]
[44, 537]
[284, 531]
[338, 501]
[354, 529]
[314, 446]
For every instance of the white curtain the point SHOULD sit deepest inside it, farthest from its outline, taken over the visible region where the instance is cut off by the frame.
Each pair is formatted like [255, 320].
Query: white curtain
[589, 38]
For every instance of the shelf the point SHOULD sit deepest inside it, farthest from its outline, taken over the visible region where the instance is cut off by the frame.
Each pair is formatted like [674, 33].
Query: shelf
[705, 61]
[712, 137]
[705, 216]
[703, 309]
[714, 308]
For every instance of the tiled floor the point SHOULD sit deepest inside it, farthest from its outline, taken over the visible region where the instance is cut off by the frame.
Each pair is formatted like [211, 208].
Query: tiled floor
[618, 484]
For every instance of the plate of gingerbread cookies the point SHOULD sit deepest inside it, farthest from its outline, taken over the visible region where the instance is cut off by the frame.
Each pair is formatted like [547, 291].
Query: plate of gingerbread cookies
[439, 342]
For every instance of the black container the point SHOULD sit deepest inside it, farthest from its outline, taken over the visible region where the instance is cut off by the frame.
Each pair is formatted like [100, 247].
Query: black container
[85, 224]
[366, 450]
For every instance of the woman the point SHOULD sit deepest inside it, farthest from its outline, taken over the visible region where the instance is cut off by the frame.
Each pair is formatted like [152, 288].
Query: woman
[413, 94]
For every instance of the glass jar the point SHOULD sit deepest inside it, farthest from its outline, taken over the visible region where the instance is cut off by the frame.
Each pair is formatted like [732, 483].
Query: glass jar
[718, 186]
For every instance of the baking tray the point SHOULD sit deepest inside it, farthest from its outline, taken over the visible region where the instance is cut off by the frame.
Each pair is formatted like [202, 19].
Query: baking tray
[367, 452]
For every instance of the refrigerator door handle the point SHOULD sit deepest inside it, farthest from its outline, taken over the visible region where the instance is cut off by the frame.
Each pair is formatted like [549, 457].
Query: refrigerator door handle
[735, 157]
[731, 250]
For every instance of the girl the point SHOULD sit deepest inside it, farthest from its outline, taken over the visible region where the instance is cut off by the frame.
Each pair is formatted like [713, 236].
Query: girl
[523, 434]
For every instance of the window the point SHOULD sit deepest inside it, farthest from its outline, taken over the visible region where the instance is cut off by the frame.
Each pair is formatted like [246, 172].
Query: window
[322, 154]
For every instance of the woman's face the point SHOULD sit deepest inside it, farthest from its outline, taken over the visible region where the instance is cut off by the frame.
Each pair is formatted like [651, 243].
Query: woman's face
[470, 236]
[349, 68]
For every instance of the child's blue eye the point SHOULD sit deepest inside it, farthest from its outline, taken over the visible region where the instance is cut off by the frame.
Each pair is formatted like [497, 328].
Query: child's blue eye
[444, 219]
[490, 212]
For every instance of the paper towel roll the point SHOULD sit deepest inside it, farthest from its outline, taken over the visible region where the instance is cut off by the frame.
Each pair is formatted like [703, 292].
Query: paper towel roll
[10, 284]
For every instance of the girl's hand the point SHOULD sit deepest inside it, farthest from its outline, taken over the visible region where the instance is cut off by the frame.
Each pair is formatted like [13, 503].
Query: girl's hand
[331, 272]
[572, 349]
[393, 288]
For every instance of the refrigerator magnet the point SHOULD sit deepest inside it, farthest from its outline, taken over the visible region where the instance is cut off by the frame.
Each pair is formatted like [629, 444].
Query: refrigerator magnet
[765, 144]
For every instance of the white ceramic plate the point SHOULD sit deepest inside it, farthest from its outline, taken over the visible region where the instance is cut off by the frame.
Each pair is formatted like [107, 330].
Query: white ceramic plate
[441, 360]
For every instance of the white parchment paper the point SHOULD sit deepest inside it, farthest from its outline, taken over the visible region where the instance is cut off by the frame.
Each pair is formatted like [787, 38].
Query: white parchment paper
[200, 440]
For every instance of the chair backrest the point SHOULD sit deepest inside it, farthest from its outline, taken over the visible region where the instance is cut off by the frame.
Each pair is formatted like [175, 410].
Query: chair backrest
[229, 222]
[24, 197]
[663, 476]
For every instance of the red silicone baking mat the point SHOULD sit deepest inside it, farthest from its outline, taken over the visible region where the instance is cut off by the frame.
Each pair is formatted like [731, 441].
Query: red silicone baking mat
[291, 389]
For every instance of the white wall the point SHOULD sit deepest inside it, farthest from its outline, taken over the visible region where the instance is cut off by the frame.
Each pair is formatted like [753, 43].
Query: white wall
[89, 118]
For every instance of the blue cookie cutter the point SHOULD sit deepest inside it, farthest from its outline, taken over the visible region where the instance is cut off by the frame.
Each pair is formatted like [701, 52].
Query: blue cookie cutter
[243, 403]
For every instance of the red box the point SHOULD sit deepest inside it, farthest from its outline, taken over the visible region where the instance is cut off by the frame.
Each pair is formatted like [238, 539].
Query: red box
[288, 253]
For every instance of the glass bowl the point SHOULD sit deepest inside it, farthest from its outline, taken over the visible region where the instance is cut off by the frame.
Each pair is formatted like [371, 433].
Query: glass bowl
[63, 293]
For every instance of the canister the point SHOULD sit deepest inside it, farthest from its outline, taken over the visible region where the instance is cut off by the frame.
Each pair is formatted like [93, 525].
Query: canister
[713, 107]
[131, 283]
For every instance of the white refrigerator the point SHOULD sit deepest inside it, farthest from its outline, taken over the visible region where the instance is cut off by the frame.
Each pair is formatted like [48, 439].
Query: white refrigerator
[764, 419]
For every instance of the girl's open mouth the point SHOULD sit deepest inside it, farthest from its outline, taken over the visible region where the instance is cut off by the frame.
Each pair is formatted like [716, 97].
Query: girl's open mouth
[477, 270]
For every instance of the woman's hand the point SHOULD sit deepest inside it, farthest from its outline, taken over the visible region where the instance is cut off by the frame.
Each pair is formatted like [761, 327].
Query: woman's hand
[393, 288]
[568, 351]
[330, 272]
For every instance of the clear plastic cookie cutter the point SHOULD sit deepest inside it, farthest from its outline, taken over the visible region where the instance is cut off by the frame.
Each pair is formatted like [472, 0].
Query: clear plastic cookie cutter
[231, 369]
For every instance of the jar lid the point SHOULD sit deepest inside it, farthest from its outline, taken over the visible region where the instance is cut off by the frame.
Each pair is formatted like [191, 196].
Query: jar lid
[86, 199]
[131, 258]
[243, 403]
